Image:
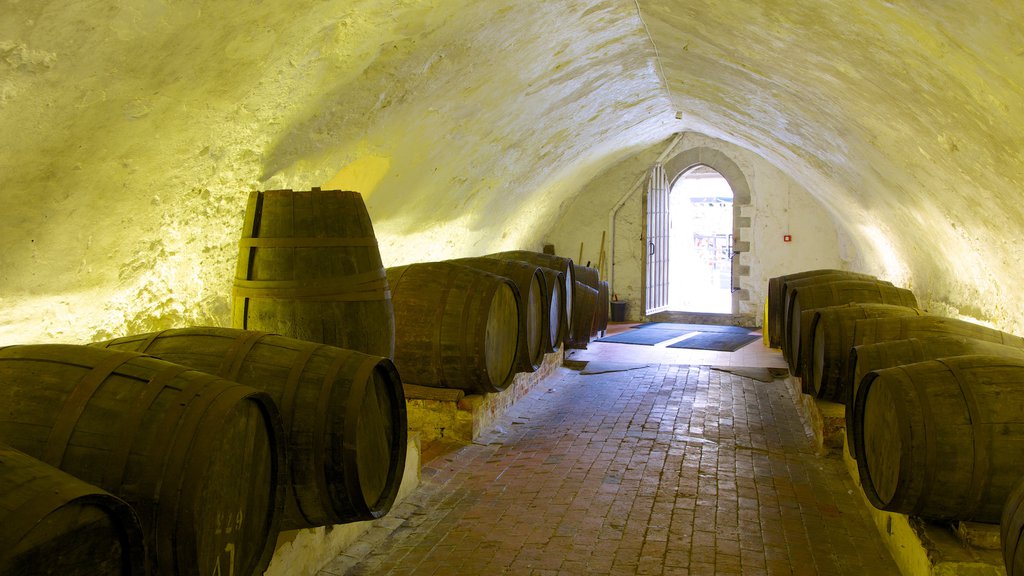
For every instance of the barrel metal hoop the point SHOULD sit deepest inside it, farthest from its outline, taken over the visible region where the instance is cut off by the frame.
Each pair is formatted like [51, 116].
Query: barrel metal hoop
[357, 393]
[929, 463]
[323, 414]
[291, 387]
[308, 242]
[150, 339]
[439, 316]
[980, 462]
[231, 365]
[75, 403]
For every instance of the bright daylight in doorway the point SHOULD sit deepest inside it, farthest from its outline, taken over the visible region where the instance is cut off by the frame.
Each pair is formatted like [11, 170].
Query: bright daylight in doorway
[700, 249]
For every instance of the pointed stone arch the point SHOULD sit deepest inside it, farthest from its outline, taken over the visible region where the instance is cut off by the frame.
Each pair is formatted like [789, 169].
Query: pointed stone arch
[742, 204]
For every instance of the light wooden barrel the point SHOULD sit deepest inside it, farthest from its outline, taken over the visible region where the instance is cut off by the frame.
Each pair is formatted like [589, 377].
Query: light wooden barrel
[52, 523]
[309, 268]
[941, 439]
[583, 318]
[455, 326]
[343, 413]
[199, 458]
[775, 301]
[533, 312]
[868, 357]
[829, 338]
[557, 263]
[834, 294]
[882, 329]
[1011, 530]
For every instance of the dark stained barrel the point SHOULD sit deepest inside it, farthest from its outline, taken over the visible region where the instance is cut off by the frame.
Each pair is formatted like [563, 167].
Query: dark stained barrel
[603, 306]
[591, 278]
[558, 263]
[52, 523]
[199, 458]
[792, 286]
[583, 318]
[941, 439]
[455, 326]
[309, 268]
[1011, 530]
[533, 312]
[775, 302]
[868, 357]
[343, 412]
[834, 294]
[829, 339]
[882, 329]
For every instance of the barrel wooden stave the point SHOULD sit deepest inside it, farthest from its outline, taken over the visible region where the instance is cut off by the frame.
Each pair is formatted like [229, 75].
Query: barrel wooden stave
[344, 414]
[829, 338]
[172, 442]
[534, 322]
[778, 299]
[583, 322]
[1011, 530]
[891, 353]
[455, 326]
[941, 439]
[834, 294]
[52, 523]
[309, 268]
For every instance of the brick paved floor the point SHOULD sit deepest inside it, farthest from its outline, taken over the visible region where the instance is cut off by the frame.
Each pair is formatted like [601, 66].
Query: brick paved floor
[672, 470]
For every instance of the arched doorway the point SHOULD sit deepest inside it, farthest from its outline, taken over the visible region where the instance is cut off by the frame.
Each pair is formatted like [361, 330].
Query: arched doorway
[701, 242]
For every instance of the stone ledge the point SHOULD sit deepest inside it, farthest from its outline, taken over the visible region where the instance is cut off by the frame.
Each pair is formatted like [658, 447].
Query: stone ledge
[920, 548]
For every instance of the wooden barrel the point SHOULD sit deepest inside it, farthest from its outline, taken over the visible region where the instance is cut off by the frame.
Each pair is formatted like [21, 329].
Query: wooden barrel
[791, 286]
[1011, 530]
[455, 326]
[199, 458]
[828, 340]
[343, 411]
[583, 318]
[834, 294]
[533, 312]
[775, 301]
[591, 278]
[309, 268]
[557, 263]
[52, 523]
[941, 439]
[603, 306]
[868, 357]
[882, 329]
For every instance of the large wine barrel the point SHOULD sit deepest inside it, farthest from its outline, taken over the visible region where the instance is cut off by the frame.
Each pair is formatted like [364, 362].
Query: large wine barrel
[533, 310]
[309, 268]
[52, 523]
[1011, 530]
[603, 306]
[583, 318]
[775, 301]
[834, 294]
[791, 286]
[828, 340]
[591, 278]
[199, 458]
[557, 263]
[882, 329]
[343, 411]
[455, 326]
[868, 357]
[554, 282]
[941, 439]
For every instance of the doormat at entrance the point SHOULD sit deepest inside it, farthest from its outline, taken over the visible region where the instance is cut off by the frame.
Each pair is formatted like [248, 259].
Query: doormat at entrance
[644, 337]
[718, 341]
[684, 328]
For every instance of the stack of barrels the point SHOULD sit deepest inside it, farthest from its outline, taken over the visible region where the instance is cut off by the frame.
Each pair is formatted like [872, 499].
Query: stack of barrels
[934, 405]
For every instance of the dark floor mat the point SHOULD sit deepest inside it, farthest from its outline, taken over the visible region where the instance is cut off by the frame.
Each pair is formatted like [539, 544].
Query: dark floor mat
[643, 337]
[719, 341]
[684, 328]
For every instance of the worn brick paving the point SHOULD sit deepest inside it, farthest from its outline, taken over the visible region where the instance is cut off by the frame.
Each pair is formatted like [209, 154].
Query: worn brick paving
[672, 470]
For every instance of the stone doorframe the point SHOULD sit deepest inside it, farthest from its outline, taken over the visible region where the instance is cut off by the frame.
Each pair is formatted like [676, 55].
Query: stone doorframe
[741, 225]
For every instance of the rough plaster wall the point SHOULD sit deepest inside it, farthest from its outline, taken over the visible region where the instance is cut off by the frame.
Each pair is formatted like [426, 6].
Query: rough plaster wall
[133, 130]
[780, 206]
